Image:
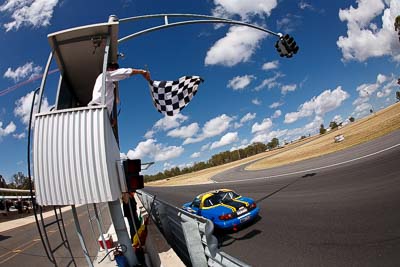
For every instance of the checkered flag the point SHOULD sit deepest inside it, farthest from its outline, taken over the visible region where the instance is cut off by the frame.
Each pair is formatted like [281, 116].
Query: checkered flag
[170, 97]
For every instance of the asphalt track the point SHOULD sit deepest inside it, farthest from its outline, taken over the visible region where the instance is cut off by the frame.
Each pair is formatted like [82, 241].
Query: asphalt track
[340, 209]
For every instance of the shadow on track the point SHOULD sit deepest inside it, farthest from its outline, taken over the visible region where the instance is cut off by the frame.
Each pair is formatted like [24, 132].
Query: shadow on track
[225, 239]
[4, 237]
[286, 186]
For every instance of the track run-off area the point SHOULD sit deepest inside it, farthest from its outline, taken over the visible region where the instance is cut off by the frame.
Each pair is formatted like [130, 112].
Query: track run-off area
[340, 209]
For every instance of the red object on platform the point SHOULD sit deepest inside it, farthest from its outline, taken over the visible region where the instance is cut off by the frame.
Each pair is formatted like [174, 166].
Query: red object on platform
[109, 241]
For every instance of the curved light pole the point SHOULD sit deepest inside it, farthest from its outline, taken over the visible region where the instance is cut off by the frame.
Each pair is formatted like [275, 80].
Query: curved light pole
[199, 19]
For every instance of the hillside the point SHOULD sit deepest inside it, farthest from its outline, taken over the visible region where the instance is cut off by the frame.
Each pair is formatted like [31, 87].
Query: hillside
[360, 131]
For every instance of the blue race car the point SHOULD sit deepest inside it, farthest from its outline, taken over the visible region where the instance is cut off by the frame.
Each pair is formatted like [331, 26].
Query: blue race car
[225, 208]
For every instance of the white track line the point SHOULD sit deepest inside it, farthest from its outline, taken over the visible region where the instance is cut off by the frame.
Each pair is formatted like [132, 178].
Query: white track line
[309, 170]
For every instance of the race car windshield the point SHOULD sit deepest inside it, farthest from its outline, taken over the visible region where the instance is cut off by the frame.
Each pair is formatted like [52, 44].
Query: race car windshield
[196, 203]
[226, 196]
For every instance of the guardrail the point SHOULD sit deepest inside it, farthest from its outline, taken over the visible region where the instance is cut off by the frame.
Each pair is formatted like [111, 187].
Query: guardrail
[190, 236]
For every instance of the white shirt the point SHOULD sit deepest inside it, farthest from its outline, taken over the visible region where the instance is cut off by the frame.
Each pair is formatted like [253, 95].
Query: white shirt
[111, 76]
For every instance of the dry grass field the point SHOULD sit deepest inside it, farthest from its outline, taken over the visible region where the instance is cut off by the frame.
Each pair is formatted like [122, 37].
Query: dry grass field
[360, 131]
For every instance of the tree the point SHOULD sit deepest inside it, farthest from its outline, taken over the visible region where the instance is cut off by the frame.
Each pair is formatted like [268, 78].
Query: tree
[20, 181]
[397, 25]
[322, 129]
[3, 183]
[333, 125]
[273, 143]
[351, 119]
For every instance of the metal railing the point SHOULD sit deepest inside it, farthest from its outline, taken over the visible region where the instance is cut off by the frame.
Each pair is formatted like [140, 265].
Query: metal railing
[190, 236]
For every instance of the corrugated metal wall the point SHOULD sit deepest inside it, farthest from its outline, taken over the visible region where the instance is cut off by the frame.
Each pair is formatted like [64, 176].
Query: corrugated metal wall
[75, 157]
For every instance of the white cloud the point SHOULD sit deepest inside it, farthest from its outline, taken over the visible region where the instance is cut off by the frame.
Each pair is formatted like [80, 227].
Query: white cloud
[185, 165]
[310, 128]
[362, 109]
[168, 166]
[366, 90]
[304, 5]
[240, 82]
[270, 82]
[364, 13]
[265, 125]
[337, 119]
[276, 114]
[381, 78]
[23, 107]
[35, 13]
[205, 147]
[155, 151]
[265, 137]
[386, 91]
[364, 39]
[165, 124]
[195, 155]
[217, 125]
[227, 139]
[184, 131]
[256, 101]
[170, 122]
[319, 105]
[288, 88]
[211, 128]
[237, 46]
[149, 134]
[9, 129]
[19, 136]
[383, 87]
[22, 72]
[288, 23]
[248, 117]
[275, 105]
[245, 9]
[271, 65]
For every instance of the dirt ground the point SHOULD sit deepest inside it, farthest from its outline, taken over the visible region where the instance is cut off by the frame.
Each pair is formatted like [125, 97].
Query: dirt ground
[360, 131]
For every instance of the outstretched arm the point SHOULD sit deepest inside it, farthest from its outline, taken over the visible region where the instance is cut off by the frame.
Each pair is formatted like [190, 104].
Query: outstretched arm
[123, 73]
[144, 73]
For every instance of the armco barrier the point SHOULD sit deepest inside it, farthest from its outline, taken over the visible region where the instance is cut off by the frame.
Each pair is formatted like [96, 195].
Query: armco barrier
[190, 236]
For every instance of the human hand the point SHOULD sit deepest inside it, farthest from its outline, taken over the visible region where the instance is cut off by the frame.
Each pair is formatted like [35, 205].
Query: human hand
[146, 75]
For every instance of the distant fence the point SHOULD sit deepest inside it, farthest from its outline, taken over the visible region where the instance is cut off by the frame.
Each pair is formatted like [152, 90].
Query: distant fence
[190, 236]
[15, 197]
[5, 193]
[18, 191]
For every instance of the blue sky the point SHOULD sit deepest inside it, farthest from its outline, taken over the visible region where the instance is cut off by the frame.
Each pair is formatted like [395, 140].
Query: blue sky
[348, 63]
